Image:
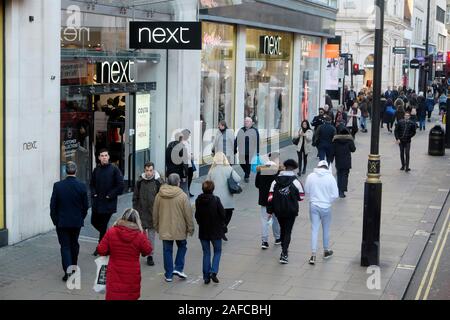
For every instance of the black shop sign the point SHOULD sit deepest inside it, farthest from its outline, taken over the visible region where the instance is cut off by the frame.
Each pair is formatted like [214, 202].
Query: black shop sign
[414, 64]
[166, 35]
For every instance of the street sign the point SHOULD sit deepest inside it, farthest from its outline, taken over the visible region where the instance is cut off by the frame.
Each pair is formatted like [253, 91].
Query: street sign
[414, 64]
[399, 50]
[341, 68]
[440, 56]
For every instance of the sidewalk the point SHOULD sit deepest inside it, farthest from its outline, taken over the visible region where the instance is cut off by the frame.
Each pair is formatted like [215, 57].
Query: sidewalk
[411, 204]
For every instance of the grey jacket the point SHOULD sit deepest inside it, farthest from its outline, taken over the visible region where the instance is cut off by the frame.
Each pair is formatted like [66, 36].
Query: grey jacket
[219, 175]
[144, 198]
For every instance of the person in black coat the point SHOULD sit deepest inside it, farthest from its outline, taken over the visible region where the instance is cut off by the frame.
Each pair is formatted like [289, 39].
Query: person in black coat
[68, 209]
[106, 185]
[319, 119]
[247, 143]
[343, 146]
[324, 139]
[405, 129]
[210, 216]
[265, 175]
[177, 161]
[421, 110]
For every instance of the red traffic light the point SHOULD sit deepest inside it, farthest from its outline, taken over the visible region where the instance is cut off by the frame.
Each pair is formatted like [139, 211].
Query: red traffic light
[355, 68]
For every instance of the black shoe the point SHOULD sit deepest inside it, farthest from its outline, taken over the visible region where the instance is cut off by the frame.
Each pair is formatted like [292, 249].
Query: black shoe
[264, 245]
[299, 174]
[341, 195]
[312, 260]
[224, 238]
[284, 259]
[402, 168]
[247, 180]
[207, 281]
[327, 254]
[277, 242]
[150, 261]
[95, 253]
[214, 278]
[191, 195]
[65, 278]
[304, 171]
[407, 170]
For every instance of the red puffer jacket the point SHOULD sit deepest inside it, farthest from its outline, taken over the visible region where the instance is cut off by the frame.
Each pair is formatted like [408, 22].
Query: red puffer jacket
[124, 243]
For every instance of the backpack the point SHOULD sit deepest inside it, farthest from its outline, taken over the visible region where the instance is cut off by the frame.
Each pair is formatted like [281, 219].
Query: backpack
[285, 199]
[390, 110]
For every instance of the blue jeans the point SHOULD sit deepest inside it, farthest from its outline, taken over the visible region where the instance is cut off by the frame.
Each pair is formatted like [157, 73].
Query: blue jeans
[209, 268]
[318, 216]
[363, 122]
[422, 122]
[168, 257]
[325, 153]
[265, 226]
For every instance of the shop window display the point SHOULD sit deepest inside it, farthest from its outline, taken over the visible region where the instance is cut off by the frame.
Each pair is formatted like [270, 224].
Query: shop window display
[218, 77]
[268, 79]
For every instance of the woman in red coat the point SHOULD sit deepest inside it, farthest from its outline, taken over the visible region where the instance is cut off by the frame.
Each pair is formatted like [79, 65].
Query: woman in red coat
[124, 242]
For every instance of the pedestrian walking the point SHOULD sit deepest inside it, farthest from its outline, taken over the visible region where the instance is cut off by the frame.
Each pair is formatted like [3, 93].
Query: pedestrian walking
[319, 119]
[350, 98]
[285, 193]
[177, 160]
[389, 115]
[353, 120]
[68, 209]
[399, 106]
[364, 114]
[421, 110]
[341, 118]
[189, 159]
[124, 243]
[106, 185]
[224, 142]
[172, 219]
[322, 190]
[304, 146]
[145, 191]
[405, 129]
[383, 105]
[324, 138]
[219, 173]
[265, 176]
[442, 103]
[343, 146]
[430, 103]
[210, 216]
[329, 111]
[247, 143]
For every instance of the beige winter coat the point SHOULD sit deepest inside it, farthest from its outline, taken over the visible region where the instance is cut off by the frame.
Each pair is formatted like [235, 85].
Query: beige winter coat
[172, 214]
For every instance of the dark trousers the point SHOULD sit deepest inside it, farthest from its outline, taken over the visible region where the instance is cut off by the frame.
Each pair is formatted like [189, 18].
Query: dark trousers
[325, 152]
[286, 225]
[68, 239]
[302, 159]
[405, 147]
[429, 114]
[342, 179]
[190, 176]
[246, 167]
[228, 215]
[100, 223]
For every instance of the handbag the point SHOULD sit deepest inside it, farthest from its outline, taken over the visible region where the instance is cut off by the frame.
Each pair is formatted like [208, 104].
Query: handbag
[296, 141]
[233, 186]
[100, 279]
[256, 161]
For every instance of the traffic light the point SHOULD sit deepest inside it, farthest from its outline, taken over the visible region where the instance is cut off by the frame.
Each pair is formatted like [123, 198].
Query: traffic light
[355, 69]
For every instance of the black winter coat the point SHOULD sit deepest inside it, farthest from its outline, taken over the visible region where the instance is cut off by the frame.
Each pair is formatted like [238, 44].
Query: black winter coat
[405, 130]
[343, 146]
[144, 196]
[180, 166]
[325, 133]
[421, 107]
[264, 178]
[210, 216]
[106, 185]
[69, 203]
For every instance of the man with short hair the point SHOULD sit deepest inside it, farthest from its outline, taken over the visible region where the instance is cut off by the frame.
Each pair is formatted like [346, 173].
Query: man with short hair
[285, 193]
[324, 139]
[68, 209]
[405, 129]
[247, 143]
[145, 191]
[106, 185]
[322, 190]
[172, 219]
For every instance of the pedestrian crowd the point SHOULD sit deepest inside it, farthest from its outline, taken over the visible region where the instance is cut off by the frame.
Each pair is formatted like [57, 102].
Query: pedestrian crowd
[162, 206]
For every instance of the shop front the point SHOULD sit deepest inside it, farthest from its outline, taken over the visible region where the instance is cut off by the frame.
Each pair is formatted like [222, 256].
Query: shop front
[108, 94]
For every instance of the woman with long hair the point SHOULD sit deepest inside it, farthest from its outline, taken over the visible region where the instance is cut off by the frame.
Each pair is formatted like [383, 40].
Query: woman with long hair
[304, 147]
[219, 173]
[124, 242]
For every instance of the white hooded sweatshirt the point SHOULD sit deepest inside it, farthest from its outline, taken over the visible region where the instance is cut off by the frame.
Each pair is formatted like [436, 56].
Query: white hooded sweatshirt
[321, 188]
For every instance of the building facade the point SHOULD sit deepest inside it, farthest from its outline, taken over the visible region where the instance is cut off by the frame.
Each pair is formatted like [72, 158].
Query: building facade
[59, 106]
[355, 25]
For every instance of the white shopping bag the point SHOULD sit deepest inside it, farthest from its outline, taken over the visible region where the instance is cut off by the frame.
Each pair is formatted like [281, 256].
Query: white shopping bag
[100, 279]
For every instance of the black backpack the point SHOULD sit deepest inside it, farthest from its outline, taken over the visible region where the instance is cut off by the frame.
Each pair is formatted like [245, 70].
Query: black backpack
[285, 199]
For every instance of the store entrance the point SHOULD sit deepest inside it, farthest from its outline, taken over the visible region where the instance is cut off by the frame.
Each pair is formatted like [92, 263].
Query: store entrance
[93, 121]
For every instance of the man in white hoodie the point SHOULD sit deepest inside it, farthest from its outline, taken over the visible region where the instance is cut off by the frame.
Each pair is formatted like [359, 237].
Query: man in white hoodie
[322, 190]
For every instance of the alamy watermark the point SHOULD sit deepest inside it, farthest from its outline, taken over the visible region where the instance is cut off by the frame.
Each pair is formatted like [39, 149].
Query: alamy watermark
[374, 280]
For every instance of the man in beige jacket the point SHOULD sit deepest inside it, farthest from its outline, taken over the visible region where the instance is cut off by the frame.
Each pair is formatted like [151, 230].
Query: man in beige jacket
[172, 219]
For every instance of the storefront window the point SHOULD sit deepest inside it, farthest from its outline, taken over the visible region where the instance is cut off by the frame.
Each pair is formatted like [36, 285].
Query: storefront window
[218, 75]
[309, 77]
[268, 79]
